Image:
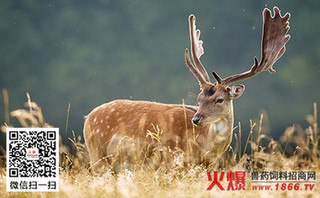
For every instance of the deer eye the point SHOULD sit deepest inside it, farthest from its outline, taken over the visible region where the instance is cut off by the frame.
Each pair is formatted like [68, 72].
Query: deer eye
[220, 100]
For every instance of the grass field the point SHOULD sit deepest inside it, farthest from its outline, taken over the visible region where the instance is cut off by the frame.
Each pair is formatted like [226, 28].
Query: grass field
[177, 175]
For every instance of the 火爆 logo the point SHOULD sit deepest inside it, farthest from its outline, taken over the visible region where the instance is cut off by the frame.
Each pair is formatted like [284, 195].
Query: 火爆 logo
[32, 154]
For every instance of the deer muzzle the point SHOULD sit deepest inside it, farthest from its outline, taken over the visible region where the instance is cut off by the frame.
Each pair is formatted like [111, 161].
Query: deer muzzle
[197, 119]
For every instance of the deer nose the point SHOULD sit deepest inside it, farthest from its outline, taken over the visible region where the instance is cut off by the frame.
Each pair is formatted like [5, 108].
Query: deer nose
[195, 121]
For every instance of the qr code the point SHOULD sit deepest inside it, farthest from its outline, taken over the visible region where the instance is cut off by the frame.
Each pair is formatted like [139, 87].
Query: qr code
[32, 159]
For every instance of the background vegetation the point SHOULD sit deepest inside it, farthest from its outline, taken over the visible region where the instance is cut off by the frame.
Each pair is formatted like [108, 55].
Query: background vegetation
[89, 52]
[137, 170]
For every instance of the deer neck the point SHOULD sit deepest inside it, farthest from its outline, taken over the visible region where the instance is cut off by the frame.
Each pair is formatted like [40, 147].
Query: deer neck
[220, 134]
[223, 127]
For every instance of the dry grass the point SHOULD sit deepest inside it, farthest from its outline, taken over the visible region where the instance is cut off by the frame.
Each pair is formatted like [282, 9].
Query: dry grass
[161, 172]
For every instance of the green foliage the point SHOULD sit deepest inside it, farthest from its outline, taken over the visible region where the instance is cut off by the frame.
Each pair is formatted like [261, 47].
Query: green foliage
[90, 52]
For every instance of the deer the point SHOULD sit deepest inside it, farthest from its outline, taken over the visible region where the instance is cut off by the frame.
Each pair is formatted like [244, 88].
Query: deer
[211, 120]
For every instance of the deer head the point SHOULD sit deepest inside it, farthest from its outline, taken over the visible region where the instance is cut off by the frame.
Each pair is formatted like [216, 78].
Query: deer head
[215, 99]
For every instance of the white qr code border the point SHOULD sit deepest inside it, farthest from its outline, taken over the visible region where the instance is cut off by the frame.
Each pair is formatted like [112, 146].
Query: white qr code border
[34, 184]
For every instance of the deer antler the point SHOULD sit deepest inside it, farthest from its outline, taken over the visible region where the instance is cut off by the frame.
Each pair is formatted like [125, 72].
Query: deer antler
[274, 39]
[196, 51]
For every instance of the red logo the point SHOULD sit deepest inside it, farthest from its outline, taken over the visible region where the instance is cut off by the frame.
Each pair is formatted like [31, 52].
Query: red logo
[236, 180]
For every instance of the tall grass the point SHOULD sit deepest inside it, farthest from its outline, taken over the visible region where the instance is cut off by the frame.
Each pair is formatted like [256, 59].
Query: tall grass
[158, 171]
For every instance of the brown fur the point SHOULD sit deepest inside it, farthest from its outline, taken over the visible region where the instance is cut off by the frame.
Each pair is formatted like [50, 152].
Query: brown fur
[134, 119]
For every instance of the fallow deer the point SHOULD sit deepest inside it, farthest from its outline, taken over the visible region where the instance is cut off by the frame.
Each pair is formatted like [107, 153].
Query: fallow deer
[212, 117]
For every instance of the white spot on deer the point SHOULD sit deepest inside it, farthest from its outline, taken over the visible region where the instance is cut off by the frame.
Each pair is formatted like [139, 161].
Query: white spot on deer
[95, 119]
[117, 113]
[101, 121]
[101, 134]
[97, 130]
[108, 126]
[112, 110]
[112, 129]
[220, 127]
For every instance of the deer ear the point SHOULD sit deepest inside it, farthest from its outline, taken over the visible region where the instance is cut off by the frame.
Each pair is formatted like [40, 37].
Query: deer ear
[236, 91]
